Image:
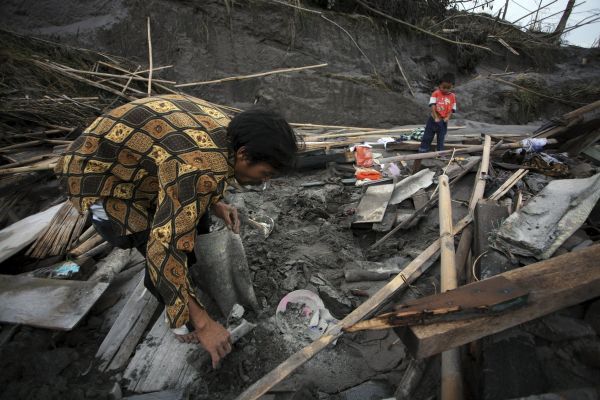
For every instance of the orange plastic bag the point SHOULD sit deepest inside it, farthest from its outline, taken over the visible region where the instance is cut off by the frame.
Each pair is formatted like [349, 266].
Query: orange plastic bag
[367, 173]
[364, 156]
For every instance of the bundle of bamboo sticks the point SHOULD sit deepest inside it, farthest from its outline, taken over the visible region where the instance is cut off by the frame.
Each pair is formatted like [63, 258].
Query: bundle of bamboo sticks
[61, 233]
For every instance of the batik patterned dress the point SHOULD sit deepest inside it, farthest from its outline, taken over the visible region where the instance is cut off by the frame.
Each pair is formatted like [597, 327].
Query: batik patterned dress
[155, 164]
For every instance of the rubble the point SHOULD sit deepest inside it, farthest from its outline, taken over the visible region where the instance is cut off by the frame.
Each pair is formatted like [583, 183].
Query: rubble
[539, 228]
[363, 241]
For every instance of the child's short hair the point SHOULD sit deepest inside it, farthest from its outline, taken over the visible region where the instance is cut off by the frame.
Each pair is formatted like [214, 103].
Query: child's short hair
[447, 78]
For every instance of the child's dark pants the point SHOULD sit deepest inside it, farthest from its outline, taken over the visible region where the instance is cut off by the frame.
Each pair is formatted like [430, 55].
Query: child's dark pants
[431, 129]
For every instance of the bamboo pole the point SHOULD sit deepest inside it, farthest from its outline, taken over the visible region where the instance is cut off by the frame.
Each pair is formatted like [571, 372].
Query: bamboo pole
[86, 246]
[481, 176]
[107, 75]
[241, 77]
[470, 149]
[404, 76]
[452, 387]
[82, 79]
[25, 162]
[301, 125]
[40, 166]
[150, 60]
[510, 182]
[116, 67]
[368, 133]
[462, 253]
[129, 81]
[21, 145]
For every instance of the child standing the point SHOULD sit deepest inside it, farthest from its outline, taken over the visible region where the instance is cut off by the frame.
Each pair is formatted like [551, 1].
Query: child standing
[443, 104]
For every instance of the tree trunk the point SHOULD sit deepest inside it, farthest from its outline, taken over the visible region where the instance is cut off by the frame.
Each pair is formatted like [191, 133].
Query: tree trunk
[563, 20]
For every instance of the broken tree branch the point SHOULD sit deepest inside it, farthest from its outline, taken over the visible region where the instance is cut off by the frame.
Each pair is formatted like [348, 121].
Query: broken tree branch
[421, 29]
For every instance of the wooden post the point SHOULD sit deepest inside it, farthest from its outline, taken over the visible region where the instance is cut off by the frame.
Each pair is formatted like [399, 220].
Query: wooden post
[451, 374]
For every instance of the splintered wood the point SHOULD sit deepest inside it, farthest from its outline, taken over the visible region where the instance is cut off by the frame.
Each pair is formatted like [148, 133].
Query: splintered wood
[552, 284]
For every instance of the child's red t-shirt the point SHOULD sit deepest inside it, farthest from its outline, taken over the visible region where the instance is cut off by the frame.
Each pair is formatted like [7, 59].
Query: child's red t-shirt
[444, 103]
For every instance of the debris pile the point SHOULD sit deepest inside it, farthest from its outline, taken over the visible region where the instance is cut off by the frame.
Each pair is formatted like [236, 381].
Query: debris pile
[343, 255]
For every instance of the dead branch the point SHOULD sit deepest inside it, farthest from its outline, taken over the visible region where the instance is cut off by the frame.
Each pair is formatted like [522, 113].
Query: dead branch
[421, 29]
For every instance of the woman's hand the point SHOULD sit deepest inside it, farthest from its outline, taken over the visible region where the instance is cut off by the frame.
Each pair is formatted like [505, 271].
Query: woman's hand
[229, 214]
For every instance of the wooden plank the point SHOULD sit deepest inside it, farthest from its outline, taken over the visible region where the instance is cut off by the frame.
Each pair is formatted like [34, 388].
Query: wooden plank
[553, 284]
[408, 275]
[128, 328]
[17, 236]
[373, 204]
[161, 361]
[46, 303]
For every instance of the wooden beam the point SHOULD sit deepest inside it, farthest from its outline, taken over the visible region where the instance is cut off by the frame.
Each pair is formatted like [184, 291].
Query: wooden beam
[412, 271]
[553, 284]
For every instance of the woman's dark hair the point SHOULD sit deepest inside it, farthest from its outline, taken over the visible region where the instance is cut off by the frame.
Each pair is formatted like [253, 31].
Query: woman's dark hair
[447, 78]
[266, 136]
